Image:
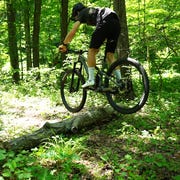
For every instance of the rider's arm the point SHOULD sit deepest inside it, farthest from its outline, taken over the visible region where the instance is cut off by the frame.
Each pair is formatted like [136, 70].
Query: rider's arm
[72, 33]
[69, 37]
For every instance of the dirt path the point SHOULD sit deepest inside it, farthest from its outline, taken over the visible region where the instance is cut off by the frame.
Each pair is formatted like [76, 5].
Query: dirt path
[19, 116]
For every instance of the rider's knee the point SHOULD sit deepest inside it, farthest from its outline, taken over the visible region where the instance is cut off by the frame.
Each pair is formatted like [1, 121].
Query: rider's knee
[110, 57]
[93, 51]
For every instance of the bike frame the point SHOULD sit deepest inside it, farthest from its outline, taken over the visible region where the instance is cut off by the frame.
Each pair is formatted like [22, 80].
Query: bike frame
[78, 66]
[106, 83]
[100, 72]
[81, 64]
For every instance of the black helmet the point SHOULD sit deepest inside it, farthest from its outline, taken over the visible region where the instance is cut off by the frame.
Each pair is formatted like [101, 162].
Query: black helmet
[76, 8]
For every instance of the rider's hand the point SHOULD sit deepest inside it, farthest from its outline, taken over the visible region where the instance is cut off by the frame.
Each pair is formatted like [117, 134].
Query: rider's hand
[62, 48]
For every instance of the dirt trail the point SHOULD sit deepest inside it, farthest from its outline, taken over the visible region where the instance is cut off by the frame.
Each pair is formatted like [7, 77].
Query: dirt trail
[20, 116]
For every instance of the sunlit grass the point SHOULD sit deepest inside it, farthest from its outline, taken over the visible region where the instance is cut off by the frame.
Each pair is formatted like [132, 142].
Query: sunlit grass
[137, 146]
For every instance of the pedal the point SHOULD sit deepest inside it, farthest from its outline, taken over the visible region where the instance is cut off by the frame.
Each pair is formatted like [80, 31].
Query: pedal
[90, 88]
[108, 89]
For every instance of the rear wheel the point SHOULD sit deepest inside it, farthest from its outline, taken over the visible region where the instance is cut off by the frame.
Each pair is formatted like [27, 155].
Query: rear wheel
[130, 93]
[73, 96]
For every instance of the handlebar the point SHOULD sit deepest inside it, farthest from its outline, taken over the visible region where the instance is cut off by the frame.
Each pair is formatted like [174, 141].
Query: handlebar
[72, 51]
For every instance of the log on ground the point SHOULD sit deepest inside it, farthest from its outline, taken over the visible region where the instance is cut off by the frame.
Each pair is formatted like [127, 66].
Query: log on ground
[70, 125]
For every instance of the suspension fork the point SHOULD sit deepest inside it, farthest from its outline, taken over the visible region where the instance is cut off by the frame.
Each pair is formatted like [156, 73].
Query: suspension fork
[75, 87]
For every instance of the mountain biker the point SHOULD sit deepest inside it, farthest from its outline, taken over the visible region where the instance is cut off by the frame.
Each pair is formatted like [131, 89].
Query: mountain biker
[107, 28]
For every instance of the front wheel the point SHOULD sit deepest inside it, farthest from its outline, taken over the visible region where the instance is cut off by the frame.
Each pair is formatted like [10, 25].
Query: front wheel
[130, 93]
[73, 96]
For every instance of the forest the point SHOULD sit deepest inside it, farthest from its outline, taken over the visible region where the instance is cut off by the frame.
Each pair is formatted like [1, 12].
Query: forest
[144, 145]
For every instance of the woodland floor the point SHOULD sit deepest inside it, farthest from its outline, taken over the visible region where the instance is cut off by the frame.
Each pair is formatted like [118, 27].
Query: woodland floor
[136, 144]
[23, 116]
[20, 116]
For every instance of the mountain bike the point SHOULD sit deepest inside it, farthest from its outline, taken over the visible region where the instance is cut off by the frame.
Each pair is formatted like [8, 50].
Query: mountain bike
[127, 95]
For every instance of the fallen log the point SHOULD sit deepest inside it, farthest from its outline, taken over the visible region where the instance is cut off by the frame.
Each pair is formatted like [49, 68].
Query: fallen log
[70, 125]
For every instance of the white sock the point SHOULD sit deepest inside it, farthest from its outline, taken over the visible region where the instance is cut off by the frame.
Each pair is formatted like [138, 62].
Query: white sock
[91, 73]
[117, 73]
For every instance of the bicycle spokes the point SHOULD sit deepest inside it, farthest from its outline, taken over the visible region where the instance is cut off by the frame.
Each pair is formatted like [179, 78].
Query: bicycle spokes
[131, 91]
[73, 96]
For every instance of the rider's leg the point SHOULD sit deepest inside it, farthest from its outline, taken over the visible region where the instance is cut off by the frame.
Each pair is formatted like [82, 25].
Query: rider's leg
[110, 57]
[110, 60]
[91, 61]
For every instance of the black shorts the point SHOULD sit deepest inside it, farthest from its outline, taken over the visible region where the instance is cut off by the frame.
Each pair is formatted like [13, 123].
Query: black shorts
[109, 29]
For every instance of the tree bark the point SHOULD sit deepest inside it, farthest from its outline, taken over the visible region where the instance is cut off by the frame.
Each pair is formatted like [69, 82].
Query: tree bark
[70, 125]
[13, 50]
[123, 42]
[36, 31]
[27, 33]
[63, 24]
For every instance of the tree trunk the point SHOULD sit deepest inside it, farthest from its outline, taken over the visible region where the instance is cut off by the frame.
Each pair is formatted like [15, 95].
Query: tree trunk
[36, 31]
[13, 50]
[27, 33]
[123, 42]
[63, 24]
[71, 125]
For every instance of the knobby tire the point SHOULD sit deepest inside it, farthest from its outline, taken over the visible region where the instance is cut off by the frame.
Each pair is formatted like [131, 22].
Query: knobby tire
[72, 94]
[134, 90]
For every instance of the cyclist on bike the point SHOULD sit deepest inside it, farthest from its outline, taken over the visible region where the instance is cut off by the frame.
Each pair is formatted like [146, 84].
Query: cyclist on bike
[107, 28]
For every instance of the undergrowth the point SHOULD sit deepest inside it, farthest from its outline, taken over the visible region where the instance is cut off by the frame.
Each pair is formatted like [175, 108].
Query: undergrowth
[144, 145]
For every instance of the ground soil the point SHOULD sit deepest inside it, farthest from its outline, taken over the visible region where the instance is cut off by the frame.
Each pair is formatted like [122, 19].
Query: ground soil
[21, 116]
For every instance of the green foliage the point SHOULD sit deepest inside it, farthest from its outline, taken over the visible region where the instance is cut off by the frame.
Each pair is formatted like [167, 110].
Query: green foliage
[56, 159]
[62, 155]
[138, 146]
[143, 146]
[153, 25]
[153, 32]
[15, 166]
[3, 38]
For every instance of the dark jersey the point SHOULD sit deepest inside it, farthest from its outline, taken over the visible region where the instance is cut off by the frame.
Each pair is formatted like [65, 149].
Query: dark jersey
[93, 16]
[107, 26]
[88, 16]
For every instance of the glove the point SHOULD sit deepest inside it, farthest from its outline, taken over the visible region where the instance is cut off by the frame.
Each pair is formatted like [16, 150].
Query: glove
[63, 48]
